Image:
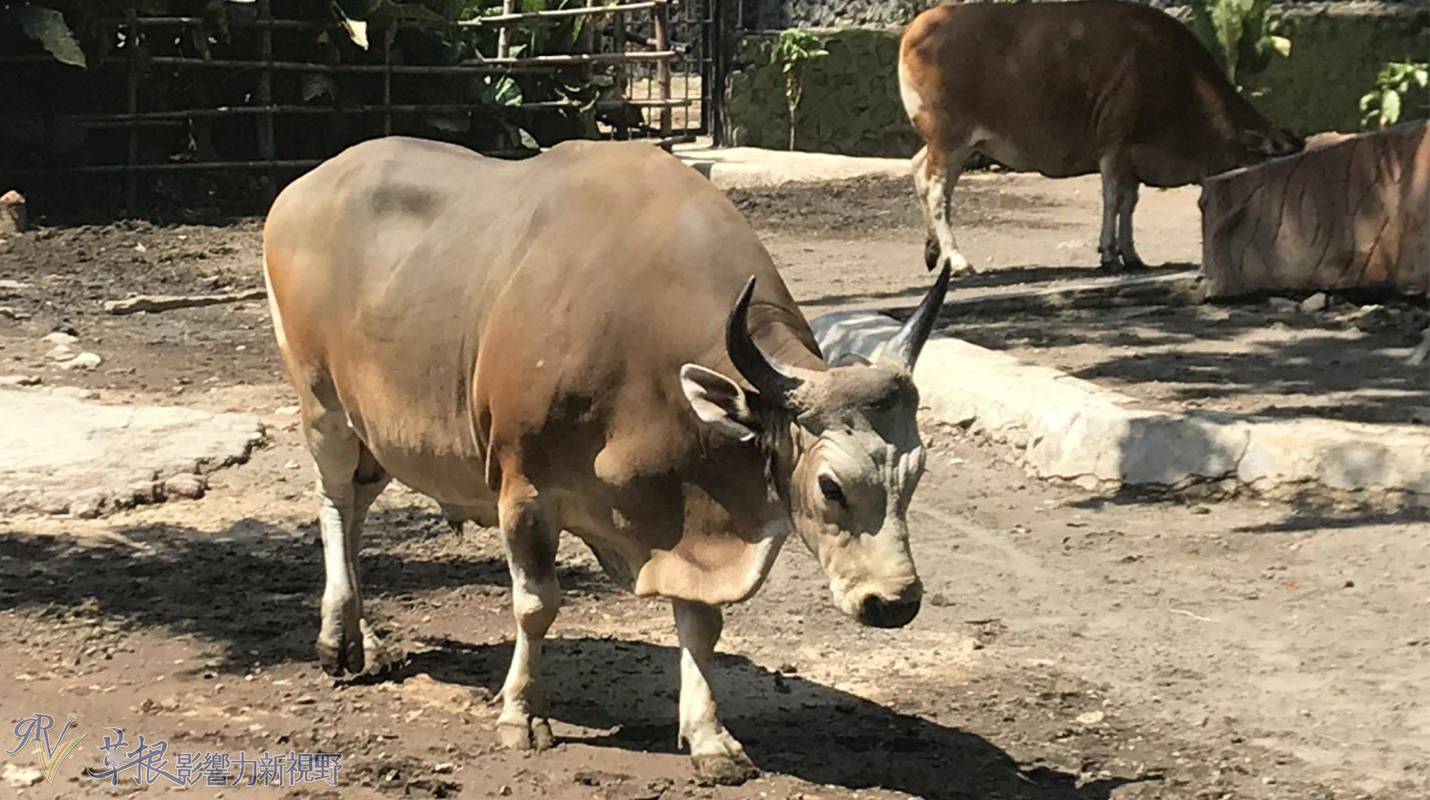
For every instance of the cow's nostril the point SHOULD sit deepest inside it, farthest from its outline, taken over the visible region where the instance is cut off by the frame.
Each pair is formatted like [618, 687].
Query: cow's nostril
[880, 613]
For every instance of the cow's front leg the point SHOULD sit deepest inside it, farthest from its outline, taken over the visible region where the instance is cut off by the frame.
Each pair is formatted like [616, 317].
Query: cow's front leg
[535, 597]
[718, 757]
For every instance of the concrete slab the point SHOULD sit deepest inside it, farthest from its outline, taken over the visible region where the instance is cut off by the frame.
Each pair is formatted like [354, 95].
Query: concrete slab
[1074, 430]
[753, 167]
[60, 454]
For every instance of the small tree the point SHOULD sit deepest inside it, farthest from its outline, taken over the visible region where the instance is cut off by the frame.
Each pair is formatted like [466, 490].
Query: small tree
[1402, 89]
[1242, 35]
[793, 50]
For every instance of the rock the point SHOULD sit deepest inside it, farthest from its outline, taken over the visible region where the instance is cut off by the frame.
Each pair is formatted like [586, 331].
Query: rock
[287, 411]
[9, 288]
[1314, 303]
[19, 777]
[1090, 718]
[75, 392]
[1352, 214]
[82, 361]
[1283, 305]
[60, 338]
[60, 352]
[10, 313]
[14, 213]
[188, 485]
[20, 380]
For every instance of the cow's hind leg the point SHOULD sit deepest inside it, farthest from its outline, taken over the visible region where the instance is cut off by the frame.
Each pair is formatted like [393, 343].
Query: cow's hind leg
[718, 757]
[1126, 204]
[349, 480]
[941, 168]
[535, 596]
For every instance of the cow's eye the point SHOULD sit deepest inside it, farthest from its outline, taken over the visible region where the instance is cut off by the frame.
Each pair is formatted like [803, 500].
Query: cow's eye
[831, 490]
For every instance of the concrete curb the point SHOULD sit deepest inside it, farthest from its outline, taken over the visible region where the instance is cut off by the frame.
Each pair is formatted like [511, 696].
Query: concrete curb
[756, 168]
[1073, 430]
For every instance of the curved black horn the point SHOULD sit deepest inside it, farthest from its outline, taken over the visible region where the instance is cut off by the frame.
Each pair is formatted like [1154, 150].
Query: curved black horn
[764, 373]
[909, 341]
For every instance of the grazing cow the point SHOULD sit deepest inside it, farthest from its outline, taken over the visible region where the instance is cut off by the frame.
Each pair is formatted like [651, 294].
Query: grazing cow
[1068, 89]
[550, 345]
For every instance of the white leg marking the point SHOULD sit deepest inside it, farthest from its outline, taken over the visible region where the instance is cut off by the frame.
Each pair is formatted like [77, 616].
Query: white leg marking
[939, 199]
[535, 599]
[718, 757]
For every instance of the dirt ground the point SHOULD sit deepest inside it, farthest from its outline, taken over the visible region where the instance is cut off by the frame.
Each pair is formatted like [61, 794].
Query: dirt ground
[1071, 647]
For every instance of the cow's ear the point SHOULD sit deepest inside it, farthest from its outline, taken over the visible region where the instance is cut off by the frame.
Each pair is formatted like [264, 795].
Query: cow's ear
[718, 401]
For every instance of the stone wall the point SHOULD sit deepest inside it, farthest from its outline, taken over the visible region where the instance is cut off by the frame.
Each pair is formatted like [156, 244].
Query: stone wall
[766, 15]
[851, 98]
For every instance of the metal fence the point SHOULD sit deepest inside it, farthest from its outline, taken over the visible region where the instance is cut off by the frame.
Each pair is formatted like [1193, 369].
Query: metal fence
[644, 69]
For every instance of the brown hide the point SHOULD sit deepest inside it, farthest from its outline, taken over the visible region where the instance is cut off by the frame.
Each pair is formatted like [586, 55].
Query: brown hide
[480, 319]
[1053, 87]
[1351, 214]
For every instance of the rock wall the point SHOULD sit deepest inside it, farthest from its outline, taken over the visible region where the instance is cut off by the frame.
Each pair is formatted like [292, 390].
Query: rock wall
[851, 98]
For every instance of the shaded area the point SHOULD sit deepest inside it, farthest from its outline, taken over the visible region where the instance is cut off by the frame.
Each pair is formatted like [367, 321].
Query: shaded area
[236, 588]
[1348, 364]
[787, 723]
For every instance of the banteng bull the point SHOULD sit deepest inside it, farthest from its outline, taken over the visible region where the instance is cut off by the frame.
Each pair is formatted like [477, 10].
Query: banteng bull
[1069, 89]
[595, 341]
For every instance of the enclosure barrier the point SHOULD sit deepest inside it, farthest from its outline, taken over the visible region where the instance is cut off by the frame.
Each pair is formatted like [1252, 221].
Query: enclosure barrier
[622, 113]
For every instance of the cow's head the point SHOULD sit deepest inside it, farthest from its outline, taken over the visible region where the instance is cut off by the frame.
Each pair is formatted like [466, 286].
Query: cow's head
[1270, 142]
[846, 454]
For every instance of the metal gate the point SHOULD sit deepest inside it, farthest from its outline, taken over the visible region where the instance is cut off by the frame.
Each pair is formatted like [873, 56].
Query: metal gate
[249, 101]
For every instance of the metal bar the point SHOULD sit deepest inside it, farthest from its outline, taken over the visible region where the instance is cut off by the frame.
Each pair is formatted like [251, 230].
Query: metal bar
[387, 38]
[504, 35]
[492, 65]
[662, 68]
[619, 73]
[529, 16]
[712, 90]
[264, 95]
[175, 117]
[131, 179]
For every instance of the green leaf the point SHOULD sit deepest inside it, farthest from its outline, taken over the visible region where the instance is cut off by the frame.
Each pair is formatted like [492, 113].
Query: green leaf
[527, 140]
[47, 26]
[1422, 77]
[1281, 45]
[357, 31]
[1389, 107]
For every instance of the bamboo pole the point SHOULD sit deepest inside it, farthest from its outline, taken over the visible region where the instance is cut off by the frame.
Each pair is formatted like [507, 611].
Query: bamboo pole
[131, 178]
[264, 95]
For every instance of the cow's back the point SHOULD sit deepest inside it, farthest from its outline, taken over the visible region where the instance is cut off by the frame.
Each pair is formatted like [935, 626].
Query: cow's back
[460, 308]
[1053, 85]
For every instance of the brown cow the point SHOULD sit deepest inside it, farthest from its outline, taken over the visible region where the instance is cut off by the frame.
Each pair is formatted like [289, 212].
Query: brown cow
[1068, 89]
[549, 345]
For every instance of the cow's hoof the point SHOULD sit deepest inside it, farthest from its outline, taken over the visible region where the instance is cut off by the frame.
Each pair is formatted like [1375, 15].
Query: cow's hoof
[1133, 264]
[930, 253]
[1112, 264]
[534, 734]
[723, 770]
[379, 654]
[342, 657]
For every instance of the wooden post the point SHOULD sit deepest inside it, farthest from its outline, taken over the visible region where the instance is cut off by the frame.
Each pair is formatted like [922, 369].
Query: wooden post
[264, 95]
[662, 67]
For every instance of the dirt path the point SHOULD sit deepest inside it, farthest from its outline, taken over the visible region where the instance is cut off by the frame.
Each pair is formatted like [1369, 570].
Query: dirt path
[1071, 647]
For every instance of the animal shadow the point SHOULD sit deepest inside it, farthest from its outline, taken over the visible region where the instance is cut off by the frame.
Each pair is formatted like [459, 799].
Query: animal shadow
[788, 724]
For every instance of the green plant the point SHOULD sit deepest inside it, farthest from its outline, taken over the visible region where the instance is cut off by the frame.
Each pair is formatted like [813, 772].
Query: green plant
[1400, 87]
[793, 50]
[1242, 35]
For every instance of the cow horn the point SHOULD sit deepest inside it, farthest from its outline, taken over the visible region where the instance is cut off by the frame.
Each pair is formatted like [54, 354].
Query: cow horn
[909, 341]
[769, 377]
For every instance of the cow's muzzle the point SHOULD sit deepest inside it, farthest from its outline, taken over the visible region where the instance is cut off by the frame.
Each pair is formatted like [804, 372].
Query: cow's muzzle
[879, 612]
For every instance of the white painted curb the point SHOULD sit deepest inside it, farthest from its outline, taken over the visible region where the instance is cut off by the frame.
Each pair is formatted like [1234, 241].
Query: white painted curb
[1074, 430]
